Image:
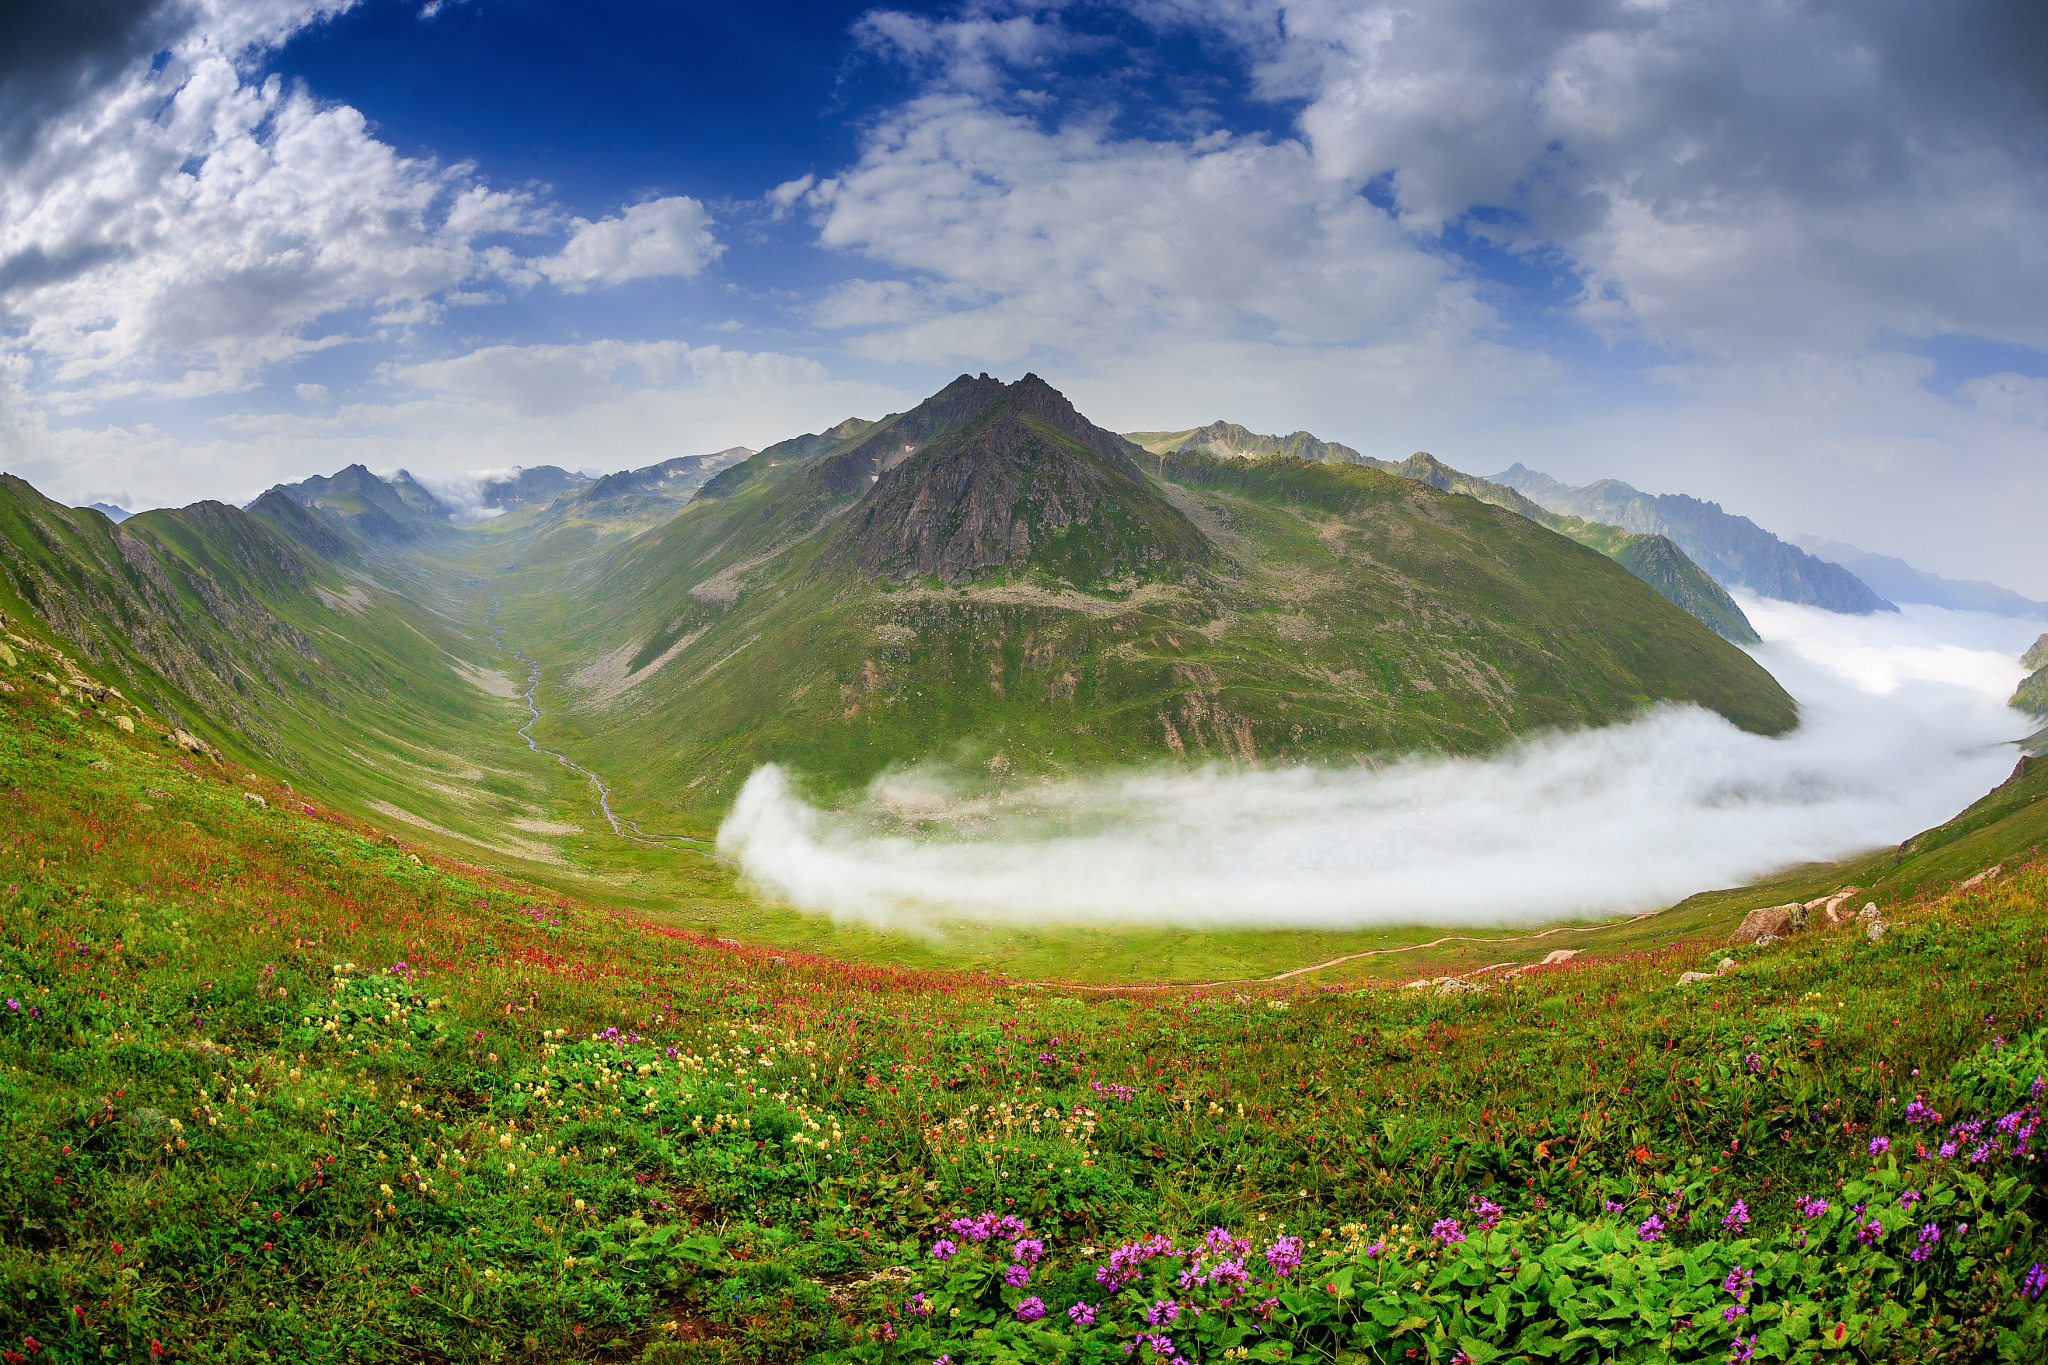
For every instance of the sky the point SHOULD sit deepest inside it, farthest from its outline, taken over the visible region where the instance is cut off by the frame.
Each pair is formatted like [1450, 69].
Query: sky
[1789, 257]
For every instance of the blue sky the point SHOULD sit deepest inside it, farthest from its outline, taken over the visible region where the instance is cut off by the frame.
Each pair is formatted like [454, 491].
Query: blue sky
[1787, 257]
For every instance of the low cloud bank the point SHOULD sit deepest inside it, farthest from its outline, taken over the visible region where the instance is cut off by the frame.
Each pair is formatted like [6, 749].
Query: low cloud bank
[1902, 725]
[467, 495]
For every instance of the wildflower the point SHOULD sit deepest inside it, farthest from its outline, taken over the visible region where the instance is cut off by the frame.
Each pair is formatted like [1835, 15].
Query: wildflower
[1731, 1312]
[1870, 1234]
[1082, 1315]
[2036, 1281]
[1753, 1063]
[1929, 1235]
[1031, 1309]
[1737, 1217]
[1910, 1198]
[1651, 1228]
[1741, 1349]
[917, 1306]
[1485, 1210]
[1739, 1282]
[1161, 1312]
[942, 1248]
[1446, 1230]
[1813, 1206]
[1611, 1205]
[1029, 1250]
[1016, 1276]
[1285, 1254]
[1880, 1144]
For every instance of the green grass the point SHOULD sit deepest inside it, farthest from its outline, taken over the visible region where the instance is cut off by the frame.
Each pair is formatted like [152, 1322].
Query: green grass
[267, 1072]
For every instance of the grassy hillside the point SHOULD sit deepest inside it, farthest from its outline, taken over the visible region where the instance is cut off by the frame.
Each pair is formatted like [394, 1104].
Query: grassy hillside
[277, 1090]
[1332, 611]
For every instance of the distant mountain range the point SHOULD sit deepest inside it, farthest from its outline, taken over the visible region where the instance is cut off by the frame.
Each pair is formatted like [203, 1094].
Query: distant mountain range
[1228, 440]
[1901, 582]
[1735, 550]
[117, 515]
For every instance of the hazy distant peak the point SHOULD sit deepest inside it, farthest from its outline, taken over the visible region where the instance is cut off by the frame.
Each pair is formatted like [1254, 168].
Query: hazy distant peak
[117, 515]
[1901, 582]
[1229, 440]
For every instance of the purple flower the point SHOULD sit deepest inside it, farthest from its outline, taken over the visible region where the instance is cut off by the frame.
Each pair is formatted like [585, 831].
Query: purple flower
[1082, 1315]
[1739, 1282]
[1611, 1205]
[1651, 1228]
[1948, 1149]
[1919, 1114]
[1485, 1210]
[1372, 1253]
[1910, 1198]
[1161, 1312]
[1016, 1276]
[1029, 1250]
[917, 1307]
[1753, 1063]
[1285, 1254]
[942, 1248]
[2036, 1281]
[1929, 1235]
[1880, 1144]
[1870, 1233]
[1731, 1312]
[1741, 1349]
[1446, 1230]
[1737, 1217]
[1031, 1309]
[1123, 1263]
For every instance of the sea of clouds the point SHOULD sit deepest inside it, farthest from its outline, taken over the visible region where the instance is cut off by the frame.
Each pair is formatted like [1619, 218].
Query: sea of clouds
[1902, 724]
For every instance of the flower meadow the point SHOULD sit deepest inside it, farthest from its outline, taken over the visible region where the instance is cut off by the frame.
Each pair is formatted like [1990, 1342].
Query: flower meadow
[276, 1088]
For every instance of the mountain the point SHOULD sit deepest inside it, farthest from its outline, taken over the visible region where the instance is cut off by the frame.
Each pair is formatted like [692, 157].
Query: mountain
[655, 488]
[1652, 558]
[534, 487]
[398, 512]
[2032, 694]
[1228, 440]
[992, 580]
[1735, 550]
[1901, 582]
[117, 515]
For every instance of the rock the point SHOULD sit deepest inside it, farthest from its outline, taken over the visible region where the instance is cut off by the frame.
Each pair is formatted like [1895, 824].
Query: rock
[1691, 977]
[1561, 955]
[7, 656]
[155, 795]
[1766, 941]
[252, 796]
[730, 942]
[47, 679]
[186, 740]
[1725, 966]
[1451, 985]
[1773, 920]
[1414, 985]
[124, 725]
[1986, 875]
[1875, 931]
[1868, 912]
[101, 764]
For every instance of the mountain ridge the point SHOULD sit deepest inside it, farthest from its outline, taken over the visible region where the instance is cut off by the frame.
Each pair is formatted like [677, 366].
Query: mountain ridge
[1901, 582]
[1733, 549]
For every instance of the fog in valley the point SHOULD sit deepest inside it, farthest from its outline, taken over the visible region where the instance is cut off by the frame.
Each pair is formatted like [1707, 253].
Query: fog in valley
[1903, 724]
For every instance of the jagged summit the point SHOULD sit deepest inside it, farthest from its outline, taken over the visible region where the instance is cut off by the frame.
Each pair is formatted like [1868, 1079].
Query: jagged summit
[1228, 440]
[987, 477]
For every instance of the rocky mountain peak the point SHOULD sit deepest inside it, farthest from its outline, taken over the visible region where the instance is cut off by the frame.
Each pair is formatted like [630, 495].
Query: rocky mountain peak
[987, 477]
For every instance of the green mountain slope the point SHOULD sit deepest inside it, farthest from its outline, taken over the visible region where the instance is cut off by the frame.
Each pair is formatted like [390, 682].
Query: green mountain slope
[268, 634]
[2032, 694]
[1735, 550]
[899, 594]
[1652, 558]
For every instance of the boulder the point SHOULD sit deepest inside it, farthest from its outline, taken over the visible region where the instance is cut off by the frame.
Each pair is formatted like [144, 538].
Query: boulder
[124, 725]
[1773, 920]
[1986, 875]
[7, 656]
[186, 740]
[252, 796]
[1876, 930]
[1691, 977]
[1725, 966]
[1451, 985]
[1560, 955]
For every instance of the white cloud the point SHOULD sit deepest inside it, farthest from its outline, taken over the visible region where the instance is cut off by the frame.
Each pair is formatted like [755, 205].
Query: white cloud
[609, 404]
[312, 393]
[2016, 397]
[660, 237]
[1903, 725]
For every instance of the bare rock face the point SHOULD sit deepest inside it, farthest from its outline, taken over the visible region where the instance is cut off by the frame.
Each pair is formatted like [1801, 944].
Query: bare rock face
[1551, 959]
[1014, 477]
[1771, 922]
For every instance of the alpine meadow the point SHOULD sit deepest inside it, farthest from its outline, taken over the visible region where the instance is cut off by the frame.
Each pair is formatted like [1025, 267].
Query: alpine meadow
[690, 686]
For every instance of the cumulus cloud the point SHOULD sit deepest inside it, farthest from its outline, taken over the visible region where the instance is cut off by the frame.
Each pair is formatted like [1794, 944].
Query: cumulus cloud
[660, 237]
[1902, 726]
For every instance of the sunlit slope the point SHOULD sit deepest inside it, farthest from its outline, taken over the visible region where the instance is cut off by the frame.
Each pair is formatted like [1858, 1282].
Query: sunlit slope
[1302, 611]
[323, 671]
